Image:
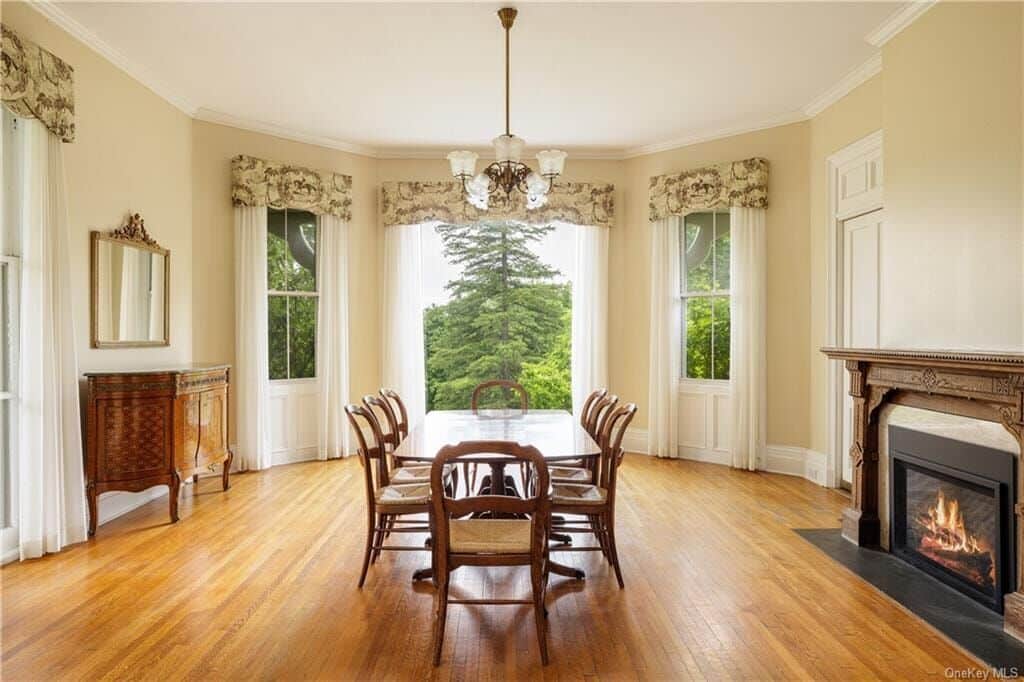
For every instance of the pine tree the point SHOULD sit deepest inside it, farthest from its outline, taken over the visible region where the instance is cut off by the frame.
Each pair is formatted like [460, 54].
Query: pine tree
[505, 311]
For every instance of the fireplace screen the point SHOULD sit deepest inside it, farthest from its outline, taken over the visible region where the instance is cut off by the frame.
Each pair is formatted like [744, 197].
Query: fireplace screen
[951, 507]
[954, 527]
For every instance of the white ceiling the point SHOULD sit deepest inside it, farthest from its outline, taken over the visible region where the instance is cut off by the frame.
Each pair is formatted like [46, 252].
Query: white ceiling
[605, 78]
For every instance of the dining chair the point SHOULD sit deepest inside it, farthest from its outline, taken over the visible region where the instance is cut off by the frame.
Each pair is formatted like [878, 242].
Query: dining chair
[461, 538]
[398, 404]
[398, 472]
[596, 501]
[586, 472]
[386, 502]
[507, 387]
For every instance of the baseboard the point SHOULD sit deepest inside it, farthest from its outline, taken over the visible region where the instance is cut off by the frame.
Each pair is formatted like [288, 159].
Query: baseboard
[796, 461]
[635, 441]
[293, 456]
[112, 505]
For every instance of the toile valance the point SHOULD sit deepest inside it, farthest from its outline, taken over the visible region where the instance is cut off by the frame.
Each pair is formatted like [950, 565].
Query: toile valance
[740, 183]
[412, 203]
[256, 182]
[37, 84]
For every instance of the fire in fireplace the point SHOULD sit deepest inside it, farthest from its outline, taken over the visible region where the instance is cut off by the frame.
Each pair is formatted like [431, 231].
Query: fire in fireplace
[952, 512]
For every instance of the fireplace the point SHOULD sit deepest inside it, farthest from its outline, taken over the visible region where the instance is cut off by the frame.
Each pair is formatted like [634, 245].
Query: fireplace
[952, 512]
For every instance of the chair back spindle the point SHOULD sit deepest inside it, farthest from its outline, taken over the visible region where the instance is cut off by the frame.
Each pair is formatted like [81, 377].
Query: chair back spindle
[507, 387]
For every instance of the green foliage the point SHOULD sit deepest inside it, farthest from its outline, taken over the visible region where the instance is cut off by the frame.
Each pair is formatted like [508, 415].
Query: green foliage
[291, 266]
[507, 319]
[706, 244]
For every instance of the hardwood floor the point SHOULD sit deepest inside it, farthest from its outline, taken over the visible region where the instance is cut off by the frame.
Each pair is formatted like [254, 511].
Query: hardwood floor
[260, 582]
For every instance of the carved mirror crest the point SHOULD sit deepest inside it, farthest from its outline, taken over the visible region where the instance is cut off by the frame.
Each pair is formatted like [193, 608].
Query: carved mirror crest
[130, 295]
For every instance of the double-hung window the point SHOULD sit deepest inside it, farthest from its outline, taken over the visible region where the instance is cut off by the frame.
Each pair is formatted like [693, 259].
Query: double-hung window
[292, 292]
[704, 290]
[10, 278]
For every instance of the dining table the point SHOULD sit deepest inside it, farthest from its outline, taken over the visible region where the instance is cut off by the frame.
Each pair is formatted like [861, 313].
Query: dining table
[556, 434]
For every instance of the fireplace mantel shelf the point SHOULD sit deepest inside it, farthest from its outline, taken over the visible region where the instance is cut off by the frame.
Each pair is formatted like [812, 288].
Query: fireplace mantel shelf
[978, 384]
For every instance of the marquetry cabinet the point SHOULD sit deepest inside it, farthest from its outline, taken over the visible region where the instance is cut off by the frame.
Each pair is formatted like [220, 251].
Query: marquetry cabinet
[158, 427]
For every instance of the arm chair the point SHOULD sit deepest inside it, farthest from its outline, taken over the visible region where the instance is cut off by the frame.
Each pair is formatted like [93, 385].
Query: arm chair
[387, 504]
[596, 502]
[472, 541]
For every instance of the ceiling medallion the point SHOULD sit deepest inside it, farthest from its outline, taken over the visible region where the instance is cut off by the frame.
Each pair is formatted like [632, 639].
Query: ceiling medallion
[507, 174]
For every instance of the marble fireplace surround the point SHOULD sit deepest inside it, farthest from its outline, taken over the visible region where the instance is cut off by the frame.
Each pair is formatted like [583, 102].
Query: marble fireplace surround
[972, 396]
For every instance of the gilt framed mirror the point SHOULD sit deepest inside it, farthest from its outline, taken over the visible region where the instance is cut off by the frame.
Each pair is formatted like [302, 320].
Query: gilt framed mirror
[130, 297]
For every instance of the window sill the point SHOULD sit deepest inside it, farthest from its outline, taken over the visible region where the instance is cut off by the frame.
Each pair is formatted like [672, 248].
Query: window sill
[704, 385]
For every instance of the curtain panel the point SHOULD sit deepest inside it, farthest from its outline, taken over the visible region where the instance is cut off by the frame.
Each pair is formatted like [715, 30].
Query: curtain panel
[404, 366]
[257, 182]
[37, 84]
[739, 183]
[589, 357]
[666, 346]
[51, 508]
[332, 337]
[414, 203]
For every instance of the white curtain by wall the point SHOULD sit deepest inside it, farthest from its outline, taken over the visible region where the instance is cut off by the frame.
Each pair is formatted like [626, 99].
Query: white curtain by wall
[747, 337]
[332, 336]
[663, 397]
[589, 314]
[51, 486]
[251, 378]
[403, 362]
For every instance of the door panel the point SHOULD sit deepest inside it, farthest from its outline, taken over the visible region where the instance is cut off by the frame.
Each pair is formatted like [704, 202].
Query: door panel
[862, 242]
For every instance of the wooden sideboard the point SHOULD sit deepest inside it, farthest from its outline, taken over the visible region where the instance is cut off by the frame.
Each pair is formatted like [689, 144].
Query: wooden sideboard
[147, 428]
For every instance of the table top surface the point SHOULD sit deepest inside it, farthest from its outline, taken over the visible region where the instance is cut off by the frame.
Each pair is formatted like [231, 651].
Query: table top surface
[556, 433]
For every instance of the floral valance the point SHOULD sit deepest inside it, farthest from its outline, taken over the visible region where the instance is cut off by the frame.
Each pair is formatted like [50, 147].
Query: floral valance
[37, 84]
[255, 182]
[579, 203]
[740, 183]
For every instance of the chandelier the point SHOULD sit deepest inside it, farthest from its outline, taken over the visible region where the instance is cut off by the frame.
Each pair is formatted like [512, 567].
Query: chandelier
[508, 173]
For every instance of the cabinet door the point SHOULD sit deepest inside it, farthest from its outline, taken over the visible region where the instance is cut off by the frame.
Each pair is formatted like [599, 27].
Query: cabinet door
[134, 439]
[213, 436]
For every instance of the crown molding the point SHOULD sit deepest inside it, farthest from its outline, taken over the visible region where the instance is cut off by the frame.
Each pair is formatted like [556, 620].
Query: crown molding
[715, 134]
[441, 153]
[95, 43]
[872, 67]
[899, 20]
[230, 120]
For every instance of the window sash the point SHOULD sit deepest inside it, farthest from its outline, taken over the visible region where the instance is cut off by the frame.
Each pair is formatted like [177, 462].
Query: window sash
[296, 294]
[685, 295]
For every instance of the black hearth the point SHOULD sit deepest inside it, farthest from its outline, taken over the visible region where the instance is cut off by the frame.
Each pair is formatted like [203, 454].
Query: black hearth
[952, 512]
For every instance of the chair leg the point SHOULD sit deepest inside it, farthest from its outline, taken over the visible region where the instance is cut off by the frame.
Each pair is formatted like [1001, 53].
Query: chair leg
[610, 531]
[378, 537]
[370, 525]
[440, 617]
[598, 528]
[539, 610]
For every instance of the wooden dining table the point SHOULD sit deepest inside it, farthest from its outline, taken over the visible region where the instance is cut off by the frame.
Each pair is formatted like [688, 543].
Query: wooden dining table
[555, 433]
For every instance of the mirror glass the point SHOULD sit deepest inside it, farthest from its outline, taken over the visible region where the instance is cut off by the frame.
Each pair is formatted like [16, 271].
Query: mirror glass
[131, 295]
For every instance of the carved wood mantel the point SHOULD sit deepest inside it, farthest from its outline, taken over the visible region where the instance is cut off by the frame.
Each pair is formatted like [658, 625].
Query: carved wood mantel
[987, 386]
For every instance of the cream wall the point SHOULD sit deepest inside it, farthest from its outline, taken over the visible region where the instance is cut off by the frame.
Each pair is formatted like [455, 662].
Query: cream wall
[787, 149]
[213, 305]
[951, 254]
[132, 152]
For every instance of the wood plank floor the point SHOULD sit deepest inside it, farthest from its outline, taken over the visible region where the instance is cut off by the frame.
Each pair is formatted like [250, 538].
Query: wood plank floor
[260, 583]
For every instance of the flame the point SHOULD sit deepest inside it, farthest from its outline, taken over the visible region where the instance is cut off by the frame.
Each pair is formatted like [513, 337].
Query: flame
[946, 527]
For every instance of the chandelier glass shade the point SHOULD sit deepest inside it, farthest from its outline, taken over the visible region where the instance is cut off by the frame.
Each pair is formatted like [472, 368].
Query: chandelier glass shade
[508, 173]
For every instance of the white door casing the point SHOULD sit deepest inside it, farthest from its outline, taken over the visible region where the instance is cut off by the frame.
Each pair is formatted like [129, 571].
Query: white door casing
[855, 182]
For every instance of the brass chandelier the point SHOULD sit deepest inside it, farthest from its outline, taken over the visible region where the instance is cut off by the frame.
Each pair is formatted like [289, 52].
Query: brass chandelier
[508, 173]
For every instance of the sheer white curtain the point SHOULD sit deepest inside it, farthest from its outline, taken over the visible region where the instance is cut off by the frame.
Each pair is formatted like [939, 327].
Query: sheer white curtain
[332, 336]
[51, 511]
[663, 396]
[251, 389]
[747, 270]
[589, 314]
[403, 362]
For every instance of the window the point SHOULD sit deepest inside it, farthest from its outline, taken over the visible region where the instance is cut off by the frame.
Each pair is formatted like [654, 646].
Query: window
[10, 270]
[292, 293]
[498, 305]
[704, 290]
